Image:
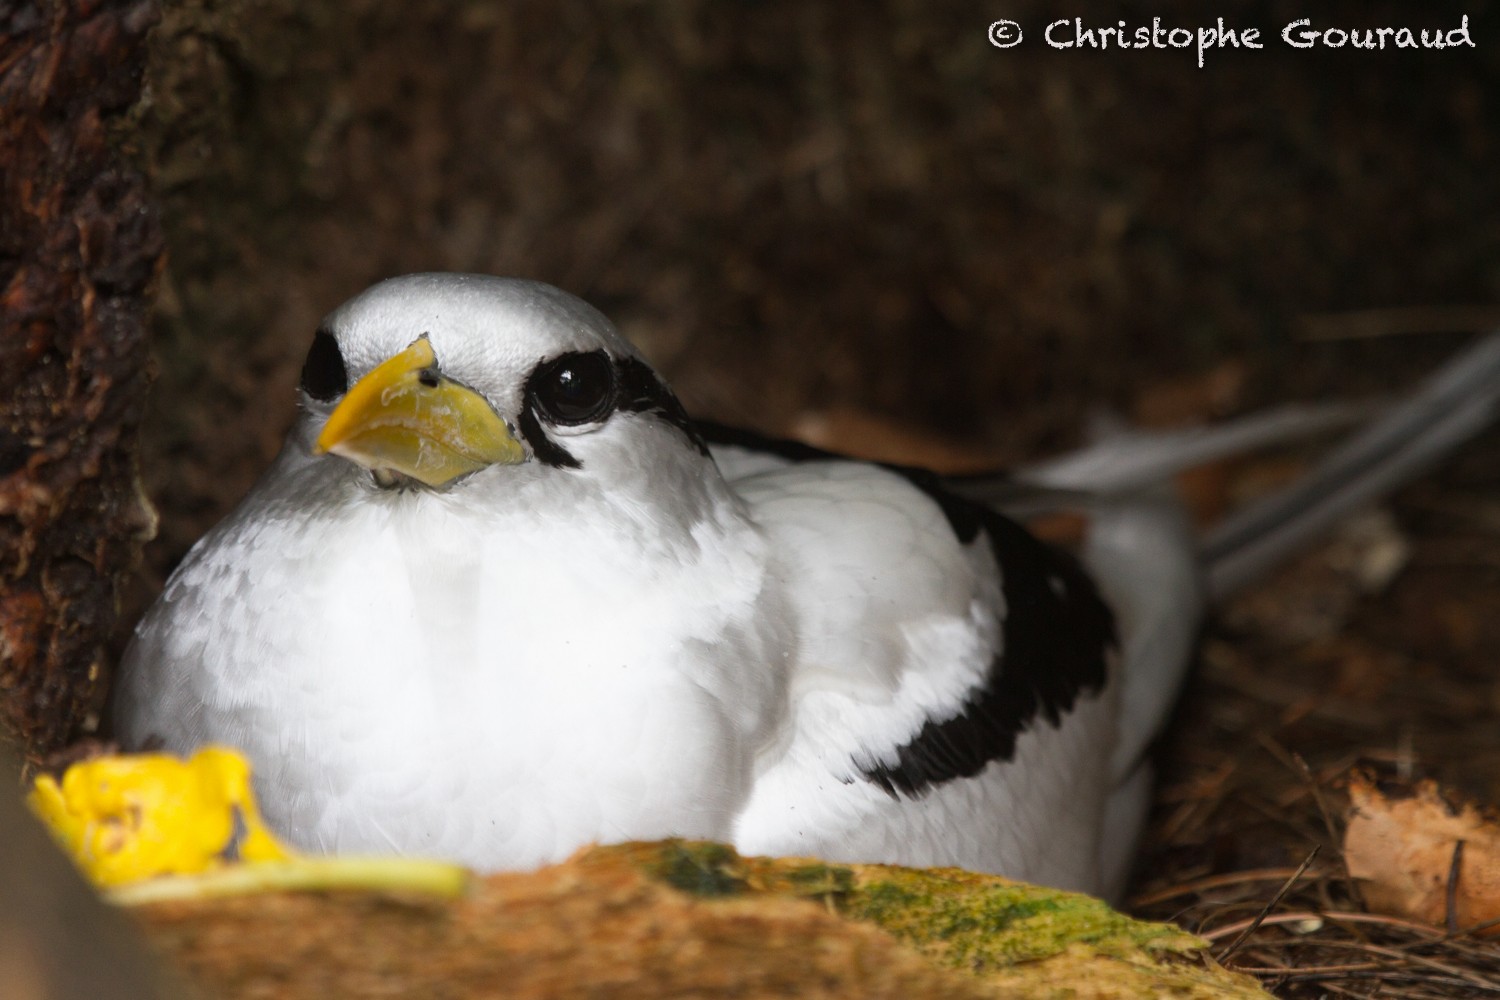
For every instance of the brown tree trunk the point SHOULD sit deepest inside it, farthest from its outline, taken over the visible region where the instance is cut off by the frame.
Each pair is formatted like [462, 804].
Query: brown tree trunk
[79, 247]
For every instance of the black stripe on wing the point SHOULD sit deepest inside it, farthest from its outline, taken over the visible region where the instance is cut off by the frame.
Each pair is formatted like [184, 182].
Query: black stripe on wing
[1056, 637]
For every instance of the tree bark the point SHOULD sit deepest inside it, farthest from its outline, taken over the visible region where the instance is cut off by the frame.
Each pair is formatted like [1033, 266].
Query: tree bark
[79, 249]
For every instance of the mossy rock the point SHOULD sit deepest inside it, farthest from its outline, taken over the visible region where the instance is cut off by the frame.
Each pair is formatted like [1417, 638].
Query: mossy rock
[685, 919]
[1029, 940]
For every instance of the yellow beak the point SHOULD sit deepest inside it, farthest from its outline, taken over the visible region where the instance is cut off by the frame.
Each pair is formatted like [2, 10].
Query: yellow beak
[406, 417]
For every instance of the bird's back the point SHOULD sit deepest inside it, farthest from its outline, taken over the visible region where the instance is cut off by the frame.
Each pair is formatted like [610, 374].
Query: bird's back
[954, 688]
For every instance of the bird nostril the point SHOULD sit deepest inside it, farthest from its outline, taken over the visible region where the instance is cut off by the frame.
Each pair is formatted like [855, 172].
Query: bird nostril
[428, 377]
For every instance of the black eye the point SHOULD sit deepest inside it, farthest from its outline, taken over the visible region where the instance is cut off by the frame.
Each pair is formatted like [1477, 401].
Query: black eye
[573, 389]
[323, 374]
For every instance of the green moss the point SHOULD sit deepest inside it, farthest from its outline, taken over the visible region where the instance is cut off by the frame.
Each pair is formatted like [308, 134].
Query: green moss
[817, 879]
[978, 923]
[964, 920]
[699, 868]
[1025, 940]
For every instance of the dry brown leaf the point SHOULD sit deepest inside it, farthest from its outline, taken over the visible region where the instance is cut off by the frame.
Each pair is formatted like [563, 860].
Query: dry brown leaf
[1402, 843]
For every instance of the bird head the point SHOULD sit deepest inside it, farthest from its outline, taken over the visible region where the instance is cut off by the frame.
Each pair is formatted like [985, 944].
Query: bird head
[430, 378]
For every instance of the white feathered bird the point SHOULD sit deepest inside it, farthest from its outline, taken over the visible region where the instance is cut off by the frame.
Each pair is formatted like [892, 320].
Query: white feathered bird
[498, 598]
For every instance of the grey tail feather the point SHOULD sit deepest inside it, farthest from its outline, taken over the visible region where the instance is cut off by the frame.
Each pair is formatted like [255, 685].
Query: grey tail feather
[1453, 405]
[1397, 441]
[1125, 463]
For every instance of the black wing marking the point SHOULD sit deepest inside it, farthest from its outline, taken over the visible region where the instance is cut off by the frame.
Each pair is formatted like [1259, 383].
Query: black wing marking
[1056, 638]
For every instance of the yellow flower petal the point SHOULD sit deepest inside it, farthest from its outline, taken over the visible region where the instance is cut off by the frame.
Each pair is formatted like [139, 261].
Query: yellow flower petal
[131, 817]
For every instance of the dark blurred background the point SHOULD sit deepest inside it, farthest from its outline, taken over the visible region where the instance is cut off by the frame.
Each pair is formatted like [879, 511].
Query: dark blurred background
[804, 208]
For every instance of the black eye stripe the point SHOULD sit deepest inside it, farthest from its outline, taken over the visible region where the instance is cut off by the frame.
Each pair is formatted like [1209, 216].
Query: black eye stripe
[574, 389]
[633, 388]
[324, 376]
[641, 391]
